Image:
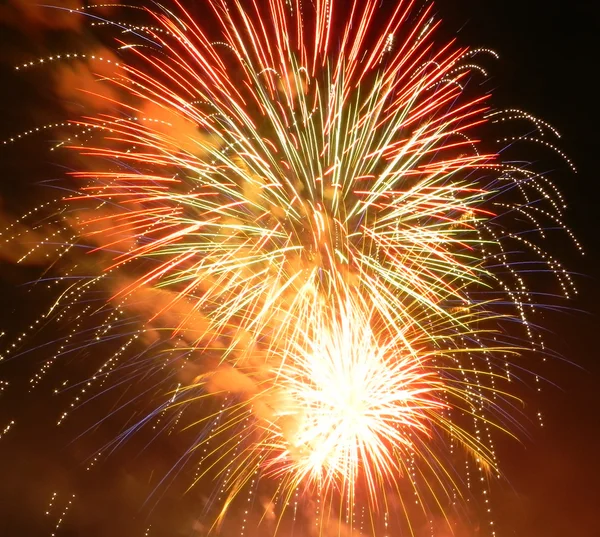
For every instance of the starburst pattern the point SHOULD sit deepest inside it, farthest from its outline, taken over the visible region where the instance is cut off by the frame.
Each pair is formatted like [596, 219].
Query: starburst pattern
[298, 197]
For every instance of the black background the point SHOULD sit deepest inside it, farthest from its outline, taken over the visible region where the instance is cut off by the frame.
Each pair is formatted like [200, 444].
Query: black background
[547, 66]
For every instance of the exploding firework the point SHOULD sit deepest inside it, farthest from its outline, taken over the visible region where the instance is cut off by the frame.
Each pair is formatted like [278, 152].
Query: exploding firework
[291, 206]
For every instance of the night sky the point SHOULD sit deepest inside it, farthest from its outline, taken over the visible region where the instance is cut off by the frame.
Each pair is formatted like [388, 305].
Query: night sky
[547, 66]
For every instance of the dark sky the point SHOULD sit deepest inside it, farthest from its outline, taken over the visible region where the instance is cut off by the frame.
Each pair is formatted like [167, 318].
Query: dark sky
[546, 66]
[548, 62]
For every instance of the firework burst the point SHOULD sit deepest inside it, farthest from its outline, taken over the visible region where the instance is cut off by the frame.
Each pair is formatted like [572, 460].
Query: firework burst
[297, 196]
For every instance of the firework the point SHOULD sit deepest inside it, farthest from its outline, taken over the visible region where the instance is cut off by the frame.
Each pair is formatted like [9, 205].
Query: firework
[296, 195]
